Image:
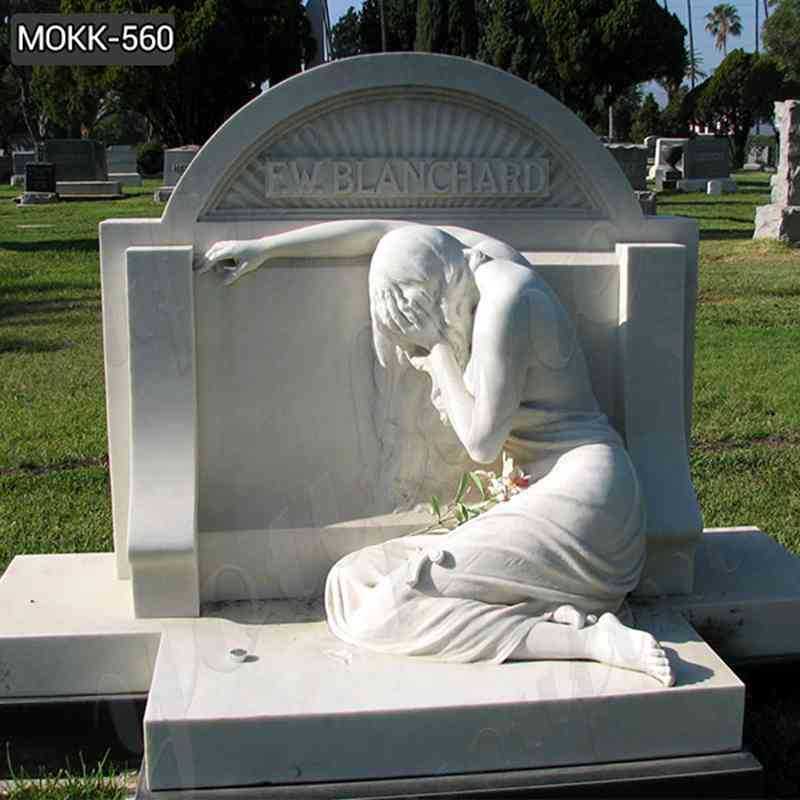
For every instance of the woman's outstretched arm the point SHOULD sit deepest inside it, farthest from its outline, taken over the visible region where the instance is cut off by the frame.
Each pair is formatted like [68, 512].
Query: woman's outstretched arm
[338, 239]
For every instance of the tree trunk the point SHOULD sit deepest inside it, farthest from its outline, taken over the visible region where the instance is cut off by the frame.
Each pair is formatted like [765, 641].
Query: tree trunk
[691, 41]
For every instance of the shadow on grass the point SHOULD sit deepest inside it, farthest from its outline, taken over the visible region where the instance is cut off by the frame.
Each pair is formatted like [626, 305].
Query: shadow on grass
[717, 233]
[15, 309]
[52, 245]
[27, 346]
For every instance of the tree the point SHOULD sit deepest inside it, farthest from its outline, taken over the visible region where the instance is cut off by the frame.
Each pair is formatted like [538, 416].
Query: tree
[740, 93]
[694, 69]
[601, 48]
[224, 51]
[647, 119]
[782, 37]
[74, 98]
[346, 35]
[359, 32]
[721, 22]
[514, 40]
[447, 26]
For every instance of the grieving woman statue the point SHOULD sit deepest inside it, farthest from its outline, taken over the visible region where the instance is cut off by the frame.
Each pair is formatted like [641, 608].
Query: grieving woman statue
[542, 575]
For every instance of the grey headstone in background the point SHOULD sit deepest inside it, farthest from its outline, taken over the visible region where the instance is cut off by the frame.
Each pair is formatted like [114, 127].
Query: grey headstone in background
[19, 159]
[632, 158]
[121, 158]
[707, 157]
[176, 160]
[75, 159]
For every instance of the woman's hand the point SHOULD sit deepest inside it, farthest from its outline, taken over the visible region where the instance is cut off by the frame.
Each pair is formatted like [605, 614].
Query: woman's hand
[233, 258]
[416, 325]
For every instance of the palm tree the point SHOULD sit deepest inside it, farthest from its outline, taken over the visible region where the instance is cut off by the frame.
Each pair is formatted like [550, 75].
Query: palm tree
[694, 69]
[723, 21]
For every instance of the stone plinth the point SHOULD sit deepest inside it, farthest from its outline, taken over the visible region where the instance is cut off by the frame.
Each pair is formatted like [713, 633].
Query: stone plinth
[781, 218]
[92, 190]
[632, 159]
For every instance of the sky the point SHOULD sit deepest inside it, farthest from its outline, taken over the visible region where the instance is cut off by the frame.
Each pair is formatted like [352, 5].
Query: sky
[703, 41]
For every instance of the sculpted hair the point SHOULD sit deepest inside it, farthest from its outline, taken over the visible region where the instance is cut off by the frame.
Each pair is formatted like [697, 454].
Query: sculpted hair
[420, 253]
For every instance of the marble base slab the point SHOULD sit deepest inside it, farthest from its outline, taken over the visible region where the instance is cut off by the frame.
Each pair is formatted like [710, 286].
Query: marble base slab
[36, 198]
[746, 602]
[126, 178]
[306, 707]
[92, 190]
[725, 775]
[67, 628]
[72, 610]
[701, 184]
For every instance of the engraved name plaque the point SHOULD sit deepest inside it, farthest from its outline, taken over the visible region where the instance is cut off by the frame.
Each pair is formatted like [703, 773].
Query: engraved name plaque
[411, 177]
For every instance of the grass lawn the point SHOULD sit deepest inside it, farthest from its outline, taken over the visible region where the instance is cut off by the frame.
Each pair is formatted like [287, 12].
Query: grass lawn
[745, 459]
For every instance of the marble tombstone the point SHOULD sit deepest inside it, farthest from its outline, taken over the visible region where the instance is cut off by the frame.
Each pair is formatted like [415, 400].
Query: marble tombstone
[632, 158]
[81, 168]
[176, 162]
[256, 440]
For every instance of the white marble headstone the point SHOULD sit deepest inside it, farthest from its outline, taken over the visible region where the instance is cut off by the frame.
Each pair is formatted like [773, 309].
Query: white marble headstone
[253, 440]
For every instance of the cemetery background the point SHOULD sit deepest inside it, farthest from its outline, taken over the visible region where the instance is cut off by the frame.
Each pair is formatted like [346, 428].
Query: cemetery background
[746, 437]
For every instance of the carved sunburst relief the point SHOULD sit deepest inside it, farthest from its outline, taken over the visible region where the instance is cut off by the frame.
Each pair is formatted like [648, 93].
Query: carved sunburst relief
[398, 149]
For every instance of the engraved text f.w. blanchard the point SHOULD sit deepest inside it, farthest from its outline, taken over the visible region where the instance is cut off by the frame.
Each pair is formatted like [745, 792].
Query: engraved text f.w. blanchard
[393, 177]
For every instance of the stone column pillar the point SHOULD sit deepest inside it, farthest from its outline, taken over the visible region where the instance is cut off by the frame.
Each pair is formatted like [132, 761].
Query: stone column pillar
[781, 218]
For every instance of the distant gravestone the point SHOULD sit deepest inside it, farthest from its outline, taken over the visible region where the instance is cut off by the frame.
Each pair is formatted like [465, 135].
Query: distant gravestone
[19, 159]
[122, 166]
[650, 144]
[707, 157]
[40, 177]
[176, 160]
[781, 218]
[75, 159]
[632, 158]
[664, 163]
[121, 158]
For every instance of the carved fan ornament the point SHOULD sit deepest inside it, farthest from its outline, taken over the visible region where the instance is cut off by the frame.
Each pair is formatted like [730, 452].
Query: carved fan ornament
[401, 149]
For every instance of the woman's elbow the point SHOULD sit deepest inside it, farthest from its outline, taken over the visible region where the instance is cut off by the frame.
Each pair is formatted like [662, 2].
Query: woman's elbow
[484, 451]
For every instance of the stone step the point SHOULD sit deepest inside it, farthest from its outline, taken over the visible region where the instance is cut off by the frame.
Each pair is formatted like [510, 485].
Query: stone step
[305, 707]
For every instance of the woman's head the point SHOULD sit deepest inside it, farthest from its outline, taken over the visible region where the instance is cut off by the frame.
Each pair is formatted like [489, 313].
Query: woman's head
[426, 268]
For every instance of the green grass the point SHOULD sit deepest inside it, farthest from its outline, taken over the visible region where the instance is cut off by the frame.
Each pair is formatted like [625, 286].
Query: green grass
[54, 494]
[88, 783]
[746, 430]
[745, 460]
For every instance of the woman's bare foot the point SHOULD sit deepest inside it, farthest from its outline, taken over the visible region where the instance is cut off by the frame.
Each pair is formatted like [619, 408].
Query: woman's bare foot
[613, 643]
